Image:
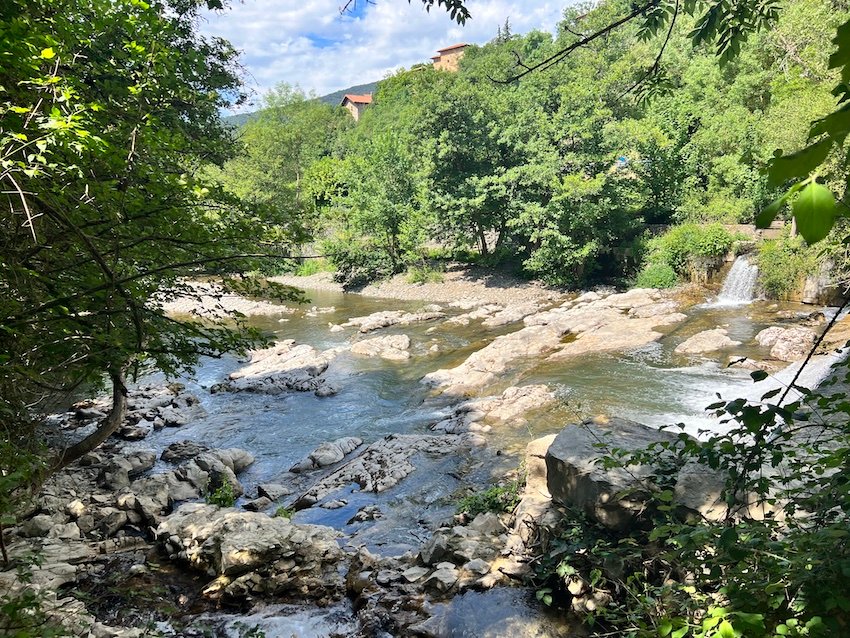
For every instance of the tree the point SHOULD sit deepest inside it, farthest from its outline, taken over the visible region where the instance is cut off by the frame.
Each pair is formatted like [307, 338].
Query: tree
[110, 111]
[292, 132]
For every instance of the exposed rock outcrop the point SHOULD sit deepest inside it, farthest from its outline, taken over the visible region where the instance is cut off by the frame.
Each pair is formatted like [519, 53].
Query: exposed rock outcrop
[787, 344]
[251, 553]
[383, 464]
[327, 454]
[211, 300]
[511, 406]
[284, 367]
[598, 324]
[387, 318]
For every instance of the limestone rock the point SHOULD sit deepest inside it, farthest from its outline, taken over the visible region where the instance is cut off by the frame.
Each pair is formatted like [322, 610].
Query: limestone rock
[787, 344]
[575, 479]
[283, 367]
[599, 325]
[182, 450]
[252, 553]
[327, 454]
[383, 464]
[706, 341]
[273, 491]
[387, 318]
[391, 347]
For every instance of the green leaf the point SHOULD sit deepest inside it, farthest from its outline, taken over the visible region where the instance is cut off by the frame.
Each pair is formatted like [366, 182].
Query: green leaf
[726, 630]
[665, 628]
[758, 375]
[798, 165]
[814, 210]
[48, 53]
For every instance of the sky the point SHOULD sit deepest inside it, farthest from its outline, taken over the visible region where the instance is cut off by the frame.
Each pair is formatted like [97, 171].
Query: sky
[310, 44]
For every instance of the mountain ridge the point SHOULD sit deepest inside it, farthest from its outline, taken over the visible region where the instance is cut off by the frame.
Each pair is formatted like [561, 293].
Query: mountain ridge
[240, 119]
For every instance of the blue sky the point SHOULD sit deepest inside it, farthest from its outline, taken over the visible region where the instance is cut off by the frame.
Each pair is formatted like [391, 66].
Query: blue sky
[308, 43]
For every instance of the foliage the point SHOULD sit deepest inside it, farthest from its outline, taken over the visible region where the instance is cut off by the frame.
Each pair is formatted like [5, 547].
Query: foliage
[498, 498]
[222, 495]
[657, 275]
[687, 247]
[783, 264]
[777, 564]
[109, 113]
[358, 262]
[308, 267]
[424, 274]
[284, 512]
[293, 133]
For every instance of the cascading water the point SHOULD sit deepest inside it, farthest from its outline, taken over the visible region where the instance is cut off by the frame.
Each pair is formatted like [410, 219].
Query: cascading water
[739, 285]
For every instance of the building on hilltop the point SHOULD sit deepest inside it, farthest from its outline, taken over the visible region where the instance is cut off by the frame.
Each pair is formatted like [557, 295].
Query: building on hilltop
[448, 59]
[356, 104]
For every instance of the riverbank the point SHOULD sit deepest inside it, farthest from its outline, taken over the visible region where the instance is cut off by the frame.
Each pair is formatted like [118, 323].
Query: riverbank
[467, 283]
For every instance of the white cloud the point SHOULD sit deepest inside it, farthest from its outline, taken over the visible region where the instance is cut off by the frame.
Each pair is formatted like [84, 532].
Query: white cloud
[310, 44]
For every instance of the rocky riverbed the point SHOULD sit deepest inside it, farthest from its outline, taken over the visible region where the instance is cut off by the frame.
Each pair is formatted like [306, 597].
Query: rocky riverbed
[347, 447]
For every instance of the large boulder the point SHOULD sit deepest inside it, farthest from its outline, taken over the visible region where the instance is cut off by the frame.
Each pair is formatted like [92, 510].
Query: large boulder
[616, 496]
[706, 341]
[787, 344]
[251, 553]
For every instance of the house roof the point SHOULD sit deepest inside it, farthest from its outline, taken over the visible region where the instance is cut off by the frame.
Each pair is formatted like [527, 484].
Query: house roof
[357, 99]
[454, 46]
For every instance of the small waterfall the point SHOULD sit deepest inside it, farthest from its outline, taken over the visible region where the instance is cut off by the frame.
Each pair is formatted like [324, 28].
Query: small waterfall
[739, 285]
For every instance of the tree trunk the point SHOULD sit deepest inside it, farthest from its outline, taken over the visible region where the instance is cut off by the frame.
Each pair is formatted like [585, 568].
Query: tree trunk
[482, 242]
[108, 426]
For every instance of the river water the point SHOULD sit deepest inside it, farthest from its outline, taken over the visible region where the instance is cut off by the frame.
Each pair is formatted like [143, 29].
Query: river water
[652, 385]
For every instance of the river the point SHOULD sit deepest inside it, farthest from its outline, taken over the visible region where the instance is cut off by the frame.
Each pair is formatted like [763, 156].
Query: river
[652, 385]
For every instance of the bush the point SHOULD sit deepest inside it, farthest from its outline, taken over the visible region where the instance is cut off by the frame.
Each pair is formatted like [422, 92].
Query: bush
[689, 248]
[424, 274]
[499, 498]
[284, 512]
[782, 265]
[309, 267]
[657, 275]
[223, 495]
[358, 263]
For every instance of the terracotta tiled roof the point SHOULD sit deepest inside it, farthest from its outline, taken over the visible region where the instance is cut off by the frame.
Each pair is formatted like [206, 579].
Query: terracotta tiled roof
[454, 46]
[357, 99]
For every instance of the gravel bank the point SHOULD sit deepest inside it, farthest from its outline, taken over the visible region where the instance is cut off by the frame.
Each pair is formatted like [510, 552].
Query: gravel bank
[465, 284]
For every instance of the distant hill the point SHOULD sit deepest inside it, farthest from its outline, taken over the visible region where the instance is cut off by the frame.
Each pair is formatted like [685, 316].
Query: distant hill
[336, 97]
[240, 119]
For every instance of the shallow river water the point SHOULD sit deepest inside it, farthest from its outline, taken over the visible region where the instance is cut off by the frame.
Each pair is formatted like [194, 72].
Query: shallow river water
[651, 385]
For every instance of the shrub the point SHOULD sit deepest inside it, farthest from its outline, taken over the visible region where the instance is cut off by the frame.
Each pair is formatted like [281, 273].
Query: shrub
[309, 267]
[424, 274]
[499, 498]
[284, 512]
[358, 263]
[222, 495]
[782, 265]
[657, 275]
[690, 247]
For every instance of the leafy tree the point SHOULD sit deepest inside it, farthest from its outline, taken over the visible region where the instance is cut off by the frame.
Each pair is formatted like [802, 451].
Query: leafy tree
[109, 110]
[290, 134]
